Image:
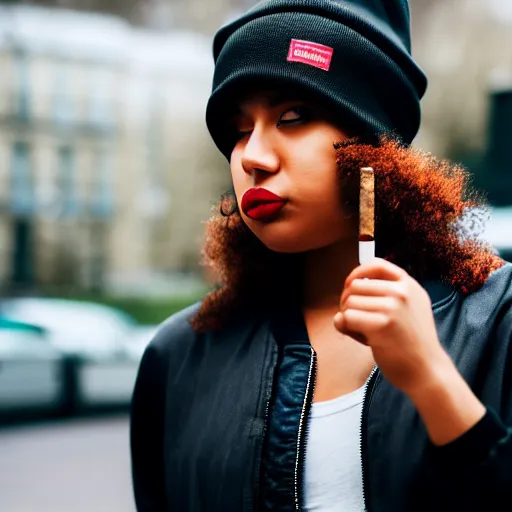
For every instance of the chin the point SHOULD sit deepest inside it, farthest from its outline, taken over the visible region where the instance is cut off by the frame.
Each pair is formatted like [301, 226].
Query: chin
[288, 241]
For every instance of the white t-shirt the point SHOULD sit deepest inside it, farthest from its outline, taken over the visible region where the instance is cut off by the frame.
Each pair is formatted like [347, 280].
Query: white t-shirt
[333, 475]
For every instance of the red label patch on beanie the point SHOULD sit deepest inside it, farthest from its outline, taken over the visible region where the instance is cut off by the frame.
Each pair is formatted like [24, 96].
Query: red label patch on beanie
[314, 54]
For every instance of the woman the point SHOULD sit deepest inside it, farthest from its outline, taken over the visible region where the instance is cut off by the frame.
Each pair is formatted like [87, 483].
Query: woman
[306, 381]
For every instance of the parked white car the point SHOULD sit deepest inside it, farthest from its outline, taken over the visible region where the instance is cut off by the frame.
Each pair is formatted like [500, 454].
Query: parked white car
[140, 339]
[499, 231]
[94, 337]
[31, 370]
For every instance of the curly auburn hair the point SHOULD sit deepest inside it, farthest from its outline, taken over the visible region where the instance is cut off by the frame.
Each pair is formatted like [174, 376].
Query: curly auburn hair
[418, 201]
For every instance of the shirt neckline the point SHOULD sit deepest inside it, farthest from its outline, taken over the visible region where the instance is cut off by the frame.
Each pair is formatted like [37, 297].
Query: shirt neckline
[339, 404]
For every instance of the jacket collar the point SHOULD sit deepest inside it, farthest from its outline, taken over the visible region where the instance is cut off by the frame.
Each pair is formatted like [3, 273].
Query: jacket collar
[437, 291]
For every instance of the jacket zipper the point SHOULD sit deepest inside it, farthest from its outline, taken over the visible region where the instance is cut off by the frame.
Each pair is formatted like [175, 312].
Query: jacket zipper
[302, 435]
[368, 391]
[264, 433]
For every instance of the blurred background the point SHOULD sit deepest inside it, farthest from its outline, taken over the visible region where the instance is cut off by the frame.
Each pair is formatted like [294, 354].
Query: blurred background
[107, 173]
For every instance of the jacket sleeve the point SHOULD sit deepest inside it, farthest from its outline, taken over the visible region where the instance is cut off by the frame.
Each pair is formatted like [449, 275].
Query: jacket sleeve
[146, 433]
[475, 470]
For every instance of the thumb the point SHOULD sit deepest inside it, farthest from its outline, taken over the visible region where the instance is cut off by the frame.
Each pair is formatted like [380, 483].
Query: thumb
[340, 325]
[339, 321]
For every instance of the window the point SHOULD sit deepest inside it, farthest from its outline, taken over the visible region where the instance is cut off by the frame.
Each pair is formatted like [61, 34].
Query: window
[22, 182]
[103, 190]
[67, 181]
[22, 74]
[100, 112]
[63, 106]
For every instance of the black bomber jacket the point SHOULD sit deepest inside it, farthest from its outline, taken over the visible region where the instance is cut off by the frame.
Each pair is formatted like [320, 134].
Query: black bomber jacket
[219, 420]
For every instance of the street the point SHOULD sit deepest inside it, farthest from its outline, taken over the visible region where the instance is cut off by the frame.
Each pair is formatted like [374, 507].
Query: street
[79, 465]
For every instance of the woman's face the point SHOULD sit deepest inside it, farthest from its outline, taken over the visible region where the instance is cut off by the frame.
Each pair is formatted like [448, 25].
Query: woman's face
[284, 173]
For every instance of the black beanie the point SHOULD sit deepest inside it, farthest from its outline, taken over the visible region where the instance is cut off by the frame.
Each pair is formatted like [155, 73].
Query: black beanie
[354, 55]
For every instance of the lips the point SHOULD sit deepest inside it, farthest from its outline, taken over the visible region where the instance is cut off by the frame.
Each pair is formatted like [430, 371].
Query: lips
[261, 204]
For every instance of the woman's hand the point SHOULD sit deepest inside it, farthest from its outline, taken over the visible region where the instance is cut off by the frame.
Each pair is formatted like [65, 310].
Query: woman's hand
[383, 307]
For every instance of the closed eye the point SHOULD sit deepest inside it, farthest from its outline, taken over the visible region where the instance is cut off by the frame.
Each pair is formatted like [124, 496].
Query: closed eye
[290, 116]
[301, 114]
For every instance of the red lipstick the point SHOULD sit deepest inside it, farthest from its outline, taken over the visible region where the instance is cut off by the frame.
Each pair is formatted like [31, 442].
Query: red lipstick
[261, 204]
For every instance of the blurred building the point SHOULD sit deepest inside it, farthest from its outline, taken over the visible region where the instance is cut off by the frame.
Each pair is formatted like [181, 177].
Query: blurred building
[465, 47]
[106, 167]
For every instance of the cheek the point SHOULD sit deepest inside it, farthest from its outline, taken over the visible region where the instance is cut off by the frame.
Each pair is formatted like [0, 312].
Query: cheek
[322, 213]
[239, 179]
[320, 191]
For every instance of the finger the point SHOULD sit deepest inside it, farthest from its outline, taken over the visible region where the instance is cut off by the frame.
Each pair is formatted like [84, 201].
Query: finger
[369, 303]
[374, 287]
[339, 324]
[377, 269]
[363, 322]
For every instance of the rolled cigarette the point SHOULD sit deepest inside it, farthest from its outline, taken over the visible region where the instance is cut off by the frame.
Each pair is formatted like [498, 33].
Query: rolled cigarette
[367, 216]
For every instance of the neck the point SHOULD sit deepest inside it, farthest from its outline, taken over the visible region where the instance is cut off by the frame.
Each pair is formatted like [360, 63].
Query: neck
[325, 271]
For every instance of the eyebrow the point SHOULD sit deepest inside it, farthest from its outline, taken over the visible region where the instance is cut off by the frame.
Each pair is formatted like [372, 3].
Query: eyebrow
[277, 98]
[273, 99]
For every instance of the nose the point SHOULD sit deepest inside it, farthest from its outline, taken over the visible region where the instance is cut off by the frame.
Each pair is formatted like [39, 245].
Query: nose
[259, 155]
